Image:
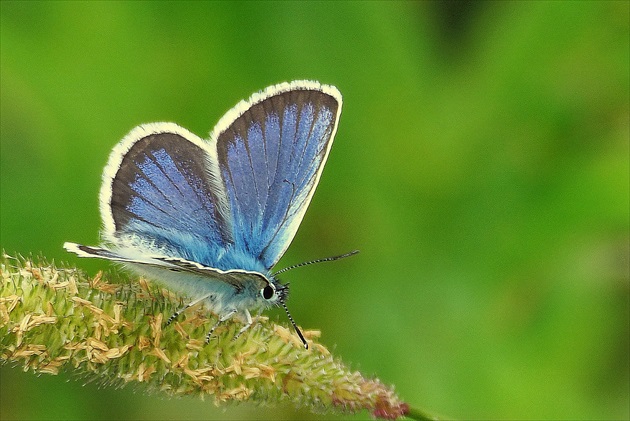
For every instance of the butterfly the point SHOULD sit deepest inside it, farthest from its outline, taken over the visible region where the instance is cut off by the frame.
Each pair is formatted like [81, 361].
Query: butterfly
[210, 218]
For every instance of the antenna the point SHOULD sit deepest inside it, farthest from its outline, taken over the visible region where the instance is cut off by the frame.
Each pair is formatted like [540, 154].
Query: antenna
[325, 259]
[294, 325]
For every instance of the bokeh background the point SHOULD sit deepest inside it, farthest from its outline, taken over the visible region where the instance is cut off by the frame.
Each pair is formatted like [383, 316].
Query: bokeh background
[481, 167]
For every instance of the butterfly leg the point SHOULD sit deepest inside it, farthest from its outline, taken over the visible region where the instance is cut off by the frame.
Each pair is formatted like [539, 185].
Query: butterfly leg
[186, 307]
[221, 320]
[248, 323]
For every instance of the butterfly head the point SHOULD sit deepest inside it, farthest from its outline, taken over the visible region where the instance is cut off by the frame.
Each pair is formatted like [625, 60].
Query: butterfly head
[274, 293]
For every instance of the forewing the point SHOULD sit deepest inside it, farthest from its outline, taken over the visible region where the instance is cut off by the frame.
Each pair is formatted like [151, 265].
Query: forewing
[271, 152]
[162, 191]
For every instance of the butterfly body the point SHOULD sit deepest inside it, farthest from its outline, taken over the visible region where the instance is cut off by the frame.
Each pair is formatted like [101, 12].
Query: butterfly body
[232, 290]
[210, 218]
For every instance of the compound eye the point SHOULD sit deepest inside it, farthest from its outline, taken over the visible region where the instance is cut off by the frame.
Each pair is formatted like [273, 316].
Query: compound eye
[267, 292]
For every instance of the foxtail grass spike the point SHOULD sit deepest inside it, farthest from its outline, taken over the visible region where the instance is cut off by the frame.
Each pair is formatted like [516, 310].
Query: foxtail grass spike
[58, 319]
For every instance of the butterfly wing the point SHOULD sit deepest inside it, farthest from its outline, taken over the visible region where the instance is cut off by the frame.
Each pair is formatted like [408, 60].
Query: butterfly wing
[162, 193]
[163, 265]
[232, 203]
[271, 152]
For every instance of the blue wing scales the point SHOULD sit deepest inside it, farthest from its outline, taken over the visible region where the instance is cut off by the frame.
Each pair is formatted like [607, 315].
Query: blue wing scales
[232, 203]
[271, 157]
[165, 196]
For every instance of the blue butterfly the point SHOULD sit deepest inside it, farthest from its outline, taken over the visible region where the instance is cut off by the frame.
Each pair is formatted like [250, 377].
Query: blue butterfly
[210, 218]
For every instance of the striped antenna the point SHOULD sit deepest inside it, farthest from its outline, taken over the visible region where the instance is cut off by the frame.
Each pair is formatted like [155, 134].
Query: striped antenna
[294, 325]
[325, 259]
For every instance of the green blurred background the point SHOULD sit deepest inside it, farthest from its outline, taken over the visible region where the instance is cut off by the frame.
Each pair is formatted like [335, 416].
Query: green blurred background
[481, 167]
